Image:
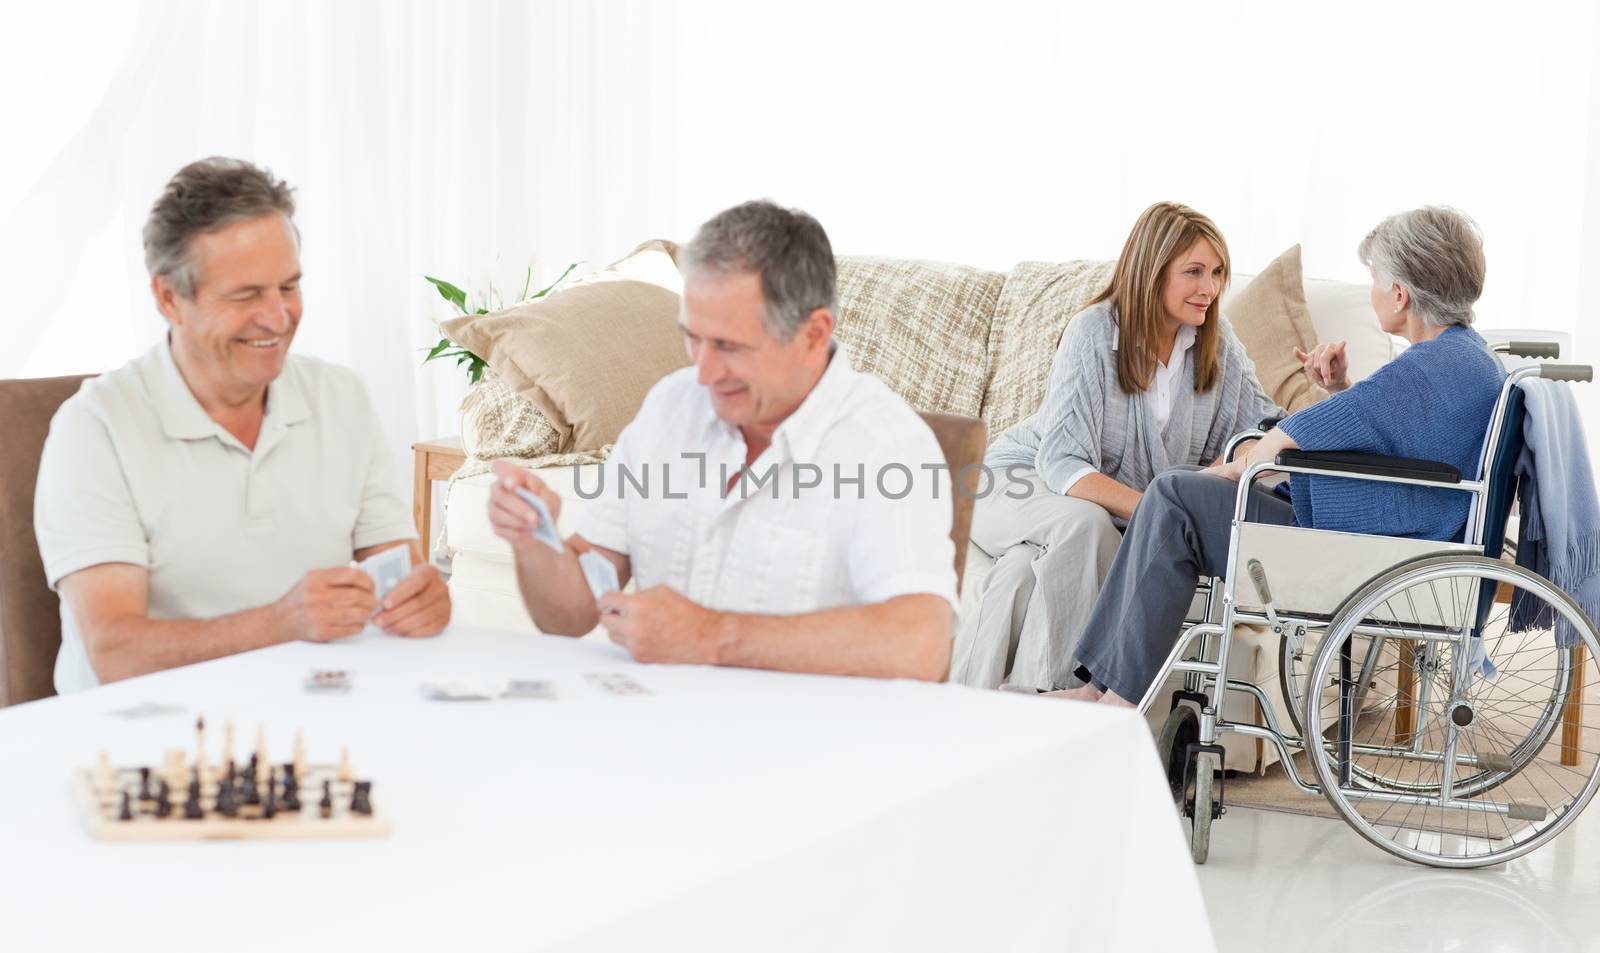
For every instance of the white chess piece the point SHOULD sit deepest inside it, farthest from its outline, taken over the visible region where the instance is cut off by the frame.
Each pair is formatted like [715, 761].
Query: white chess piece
[262, 761]
[300, 754]
[103, 778]
[345, 772]
[227, 743]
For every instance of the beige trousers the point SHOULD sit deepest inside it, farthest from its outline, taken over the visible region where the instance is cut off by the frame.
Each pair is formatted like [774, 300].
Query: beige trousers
[1051, 555]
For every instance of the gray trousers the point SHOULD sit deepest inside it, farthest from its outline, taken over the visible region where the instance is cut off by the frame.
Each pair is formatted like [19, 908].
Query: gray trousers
[1178, 533]
[1051, 553]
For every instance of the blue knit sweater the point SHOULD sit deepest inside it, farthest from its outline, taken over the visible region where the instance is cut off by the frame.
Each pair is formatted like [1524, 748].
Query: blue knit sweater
[1433, 402]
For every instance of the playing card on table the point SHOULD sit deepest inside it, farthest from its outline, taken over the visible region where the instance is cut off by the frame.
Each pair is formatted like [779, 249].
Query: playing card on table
[455, 690]
[546, 530]
[599, 573]
[322, 681]
[387, 569]
[615, 683]
[529, 688]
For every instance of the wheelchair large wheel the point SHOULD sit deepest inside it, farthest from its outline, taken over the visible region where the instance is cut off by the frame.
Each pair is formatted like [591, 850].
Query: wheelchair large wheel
[1399, 664]
[1441, 724]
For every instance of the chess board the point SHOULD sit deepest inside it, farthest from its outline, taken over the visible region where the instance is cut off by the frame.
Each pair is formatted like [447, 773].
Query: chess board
[102, 807]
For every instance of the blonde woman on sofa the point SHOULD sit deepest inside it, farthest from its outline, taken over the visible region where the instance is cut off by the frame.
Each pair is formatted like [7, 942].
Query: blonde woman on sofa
[1148, 377]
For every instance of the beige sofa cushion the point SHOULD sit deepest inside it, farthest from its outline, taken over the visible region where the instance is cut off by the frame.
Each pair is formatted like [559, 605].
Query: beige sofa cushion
[561, 352]
[920, 326]
[1270, 317]
[1038, 299]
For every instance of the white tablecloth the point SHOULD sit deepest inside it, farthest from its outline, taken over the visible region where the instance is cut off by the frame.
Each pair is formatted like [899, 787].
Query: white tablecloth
[726, 810]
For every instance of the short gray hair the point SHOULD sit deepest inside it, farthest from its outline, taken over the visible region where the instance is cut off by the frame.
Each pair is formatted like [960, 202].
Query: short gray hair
[786, 247]
[203, 197]
[1436, 254]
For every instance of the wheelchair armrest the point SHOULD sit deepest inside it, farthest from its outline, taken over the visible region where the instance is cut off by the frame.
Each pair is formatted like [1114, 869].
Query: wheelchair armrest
[1373, 464]
[1267, 423]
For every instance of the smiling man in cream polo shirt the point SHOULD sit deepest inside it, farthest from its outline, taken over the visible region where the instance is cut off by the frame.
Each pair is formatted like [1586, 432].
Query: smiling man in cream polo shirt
[208, 497]
[832, 556]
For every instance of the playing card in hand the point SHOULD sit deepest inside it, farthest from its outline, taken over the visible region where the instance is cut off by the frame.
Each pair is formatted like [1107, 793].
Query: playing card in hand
[387, 569]
[546, 530]
[599, 573]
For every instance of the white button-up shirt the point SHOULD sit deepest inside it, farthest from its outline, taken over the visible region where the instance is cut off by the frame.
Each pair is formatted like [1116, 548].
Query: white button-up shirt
[135, 471]
[849, 506]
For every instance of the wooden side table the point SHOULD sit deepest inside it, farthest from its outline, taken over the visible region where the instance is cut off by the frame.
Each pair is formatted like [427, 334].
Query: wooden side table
[436, 460]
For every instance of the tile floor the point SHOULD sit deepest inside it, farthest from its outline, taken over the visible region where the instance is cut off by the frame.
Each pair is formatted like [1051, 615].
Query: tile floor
[1286, 882]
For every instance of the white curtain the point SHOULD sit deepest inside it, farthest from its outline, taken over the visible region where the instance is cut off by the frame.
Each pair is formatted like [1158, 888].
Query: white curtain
[468, 139]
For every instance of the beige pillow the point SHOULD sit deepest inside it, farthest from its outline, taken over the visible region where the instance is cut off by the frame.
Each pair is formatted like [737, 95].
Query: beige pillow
[1270, 318]
[587, 354]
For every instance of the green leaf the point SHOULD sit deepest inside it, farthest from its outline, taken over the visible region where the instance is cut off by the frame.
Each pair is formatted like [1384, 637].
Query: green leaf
[475, 373]
[450, 292]
[444, 343]
[527, 282]
[548, 288]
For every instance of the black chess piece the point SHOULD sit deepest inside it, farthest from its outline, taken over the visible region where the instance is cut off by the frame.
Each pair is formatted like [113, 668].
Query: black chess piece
[361, 799]
[325, 806]
[251, 768]
[291, 792]
[227, 805]
[144, 785]
[269, 804]
[164, 801]
[127, 807]
[250, 794]
[191, 807]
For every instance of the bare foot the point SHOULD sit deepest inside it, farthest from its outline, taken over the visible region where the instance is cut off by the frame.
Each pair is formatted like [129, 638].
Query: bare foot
[1083, 693]
[1116, 701]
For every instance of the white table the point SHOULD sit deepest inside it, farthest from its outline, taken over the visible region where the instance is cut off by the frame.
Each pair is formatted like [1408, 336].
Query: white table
[727, 810]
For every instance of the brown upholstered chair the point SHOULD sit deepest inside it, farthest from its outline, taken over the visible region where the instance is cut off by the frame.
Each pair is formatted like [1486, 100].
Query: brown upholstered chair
[30, 619]
[963, 441]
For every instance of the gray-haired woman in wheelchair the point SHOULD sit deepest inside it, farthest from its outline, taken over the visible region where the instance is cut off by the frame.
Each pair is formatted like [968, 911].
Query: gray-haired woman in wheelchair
[1433, 402]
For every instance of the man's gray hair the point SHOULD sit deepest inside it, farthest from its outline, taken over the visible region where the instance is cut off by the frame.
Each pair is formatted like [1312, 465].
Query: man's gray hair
[1436, 254]
[203, 197]
[786, 247]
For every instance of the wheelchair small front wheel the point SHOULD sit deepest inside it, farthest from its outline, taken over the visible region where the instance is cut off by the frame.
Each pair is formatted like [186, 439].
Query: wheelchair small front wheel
[1200, 802]
[1449, 678]
[1181, 729]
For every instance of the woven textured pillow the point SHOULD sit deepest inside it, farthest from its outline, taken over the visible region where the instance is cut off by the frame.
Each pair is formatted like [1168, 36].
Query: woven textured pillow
[1038, 300]
[920, 326]
[1269, 317]
[583, 357]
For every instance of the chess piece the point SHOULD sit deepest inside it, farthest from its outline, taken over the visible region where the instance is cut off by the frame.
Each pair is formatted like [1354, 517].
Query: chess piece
[191, 807]
[361, 800]
[145, 794]
[299, 752]
[262, 761]
[127, 807]
[175, 770]
[346, 774]
[227, 744]
[104, 779]
[250, 795]
[201, 764]
[291, 789]
[164, 801]
[227, 806]
[269, 804]
[325, 806]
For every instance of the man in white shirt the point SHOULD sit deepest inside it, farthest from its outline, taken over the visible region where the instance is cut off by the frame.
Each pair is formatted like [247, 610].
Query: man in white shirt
[777, 508]
[209, 497]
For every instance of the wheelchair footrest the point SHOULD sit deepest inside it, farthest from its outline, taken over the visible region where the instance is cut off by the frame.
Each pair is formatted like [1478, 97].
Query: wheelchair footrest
[1526, 812]
[1495, 761]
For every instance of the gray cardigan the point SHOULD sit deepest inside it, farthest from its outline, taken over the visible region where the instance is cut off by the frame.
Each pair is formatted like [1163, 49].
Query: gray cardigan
[1087, 421]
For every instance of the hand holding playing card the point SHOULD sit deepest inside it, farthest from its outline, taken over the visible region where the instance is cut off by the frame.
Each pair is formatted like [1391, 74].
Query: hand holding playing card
[328, 604]
[522, 508]
[418, 606]
[661, 625]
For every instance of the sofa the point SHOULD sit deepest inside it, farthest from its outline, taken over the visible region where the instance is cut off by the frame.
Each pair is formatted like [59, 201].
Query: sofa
[949, 338]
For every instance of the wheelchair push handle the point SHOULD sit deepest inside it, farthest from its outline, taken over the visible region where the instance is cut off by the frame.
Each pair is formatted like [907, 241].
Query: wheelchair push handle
[1566, 372]
[1539, 349]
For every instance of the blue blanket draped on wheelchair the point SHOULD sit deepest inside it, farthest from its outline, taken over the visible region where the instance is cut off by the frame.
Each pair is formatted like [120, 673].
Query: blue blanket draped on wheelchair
[1560, 525]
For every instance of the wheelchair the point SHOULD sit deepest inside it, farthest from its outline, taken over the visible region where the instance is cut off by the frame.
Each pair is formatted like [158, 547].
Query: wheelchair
[1436, 690]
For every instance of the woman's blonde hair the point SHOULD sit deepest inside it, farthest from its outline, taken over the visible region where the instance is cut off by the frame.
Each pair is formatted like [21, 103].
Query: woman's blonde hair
[1164, 231]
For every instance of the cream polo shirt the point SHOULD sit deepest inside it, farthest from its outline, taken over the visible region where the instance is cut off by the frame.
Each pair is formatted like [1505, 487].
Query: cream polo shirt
[134, 471]
[849, 506]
